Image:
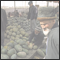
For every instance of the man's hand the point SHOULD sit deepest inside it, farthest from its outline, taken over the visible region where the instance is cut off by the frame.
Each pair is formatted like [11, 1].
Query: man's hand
[33, 19]
[28, 19]
[32, 43]
[28, 42]
[44, 58]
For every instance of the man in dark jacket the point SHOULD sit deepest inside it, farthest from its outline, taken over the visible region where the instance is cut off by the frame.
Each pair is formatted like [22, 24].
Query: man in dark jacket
[37, 35]
[3, 25]
[32, 15]
[16, 13]
[48, 23]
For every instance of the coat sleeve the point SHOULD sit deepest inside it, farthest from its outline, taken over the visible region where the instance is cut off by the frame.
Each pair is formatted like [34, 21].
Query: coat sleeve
[56, 43]
[39, 38]
[34, 13]
[28, 17]
[31, 36]
[53, 51]
[4, 18]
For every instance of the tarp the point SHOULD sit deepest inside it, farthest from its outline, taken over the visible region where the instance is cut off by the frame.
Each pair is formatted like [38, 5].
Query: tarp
[54, 1]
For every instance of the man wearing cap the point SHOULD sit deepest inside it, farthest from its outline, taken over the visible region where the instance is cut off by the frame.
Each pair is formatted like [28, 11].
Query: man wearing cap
[51, 30]
[32, 15]
[38, 36]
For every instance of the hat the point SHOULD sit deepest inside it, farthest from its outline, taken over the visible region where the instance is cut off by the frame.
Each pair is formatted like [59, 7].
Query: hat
[47, 14]
[37, 5]
[30, 2]
[57, 9]
[38, 28]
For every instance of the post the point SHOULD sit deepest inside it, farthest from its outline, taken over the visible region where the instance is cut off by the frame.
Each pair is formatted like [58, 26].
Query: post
[25, 4]
[35, 2]
[47, 3]
[14, 6]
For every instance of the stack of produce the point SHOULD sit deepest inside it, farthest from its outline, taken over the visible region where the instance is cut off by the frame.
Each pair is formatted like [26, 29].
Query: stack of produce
[17, 48]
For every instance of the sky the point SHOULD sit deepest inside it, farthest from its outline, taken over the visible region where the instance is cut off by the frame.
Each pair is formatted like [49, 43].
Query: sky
[22, 3]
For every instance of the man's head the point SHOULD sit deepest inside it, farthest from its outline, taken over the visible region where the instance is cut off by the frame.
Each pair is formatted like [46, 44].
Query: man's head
[30, 3]
[47, 21]
[47, 25]
[37, 6]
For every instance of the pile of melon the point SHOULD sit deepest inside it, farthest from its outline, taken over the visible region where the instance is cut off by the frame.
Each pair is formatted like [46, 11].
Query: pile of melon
[19, 49]
[16, 48]
[15, 30]
[17, 35]
[22, 21]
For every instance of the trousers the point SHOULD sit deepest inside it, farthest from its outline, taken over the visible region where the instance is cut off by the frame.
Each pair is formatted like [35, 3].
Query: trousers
[33, 25]
[2, 38]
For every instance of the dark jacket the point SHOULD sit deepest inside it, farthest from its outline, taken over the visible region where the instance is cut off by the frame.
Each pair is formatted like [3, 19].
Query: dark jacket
[16, 14]
[3, 25]
[53, 43]
[37, 38]
[33, 12]
[3, 20]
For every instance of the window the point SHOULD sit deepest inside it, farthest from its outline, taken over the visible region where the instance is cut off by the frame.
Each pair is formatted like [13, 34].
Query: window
[7, 3]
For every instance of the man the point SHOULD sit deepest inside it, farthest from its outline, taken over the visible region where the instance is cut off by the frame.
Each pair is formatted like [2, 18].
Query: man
[37, 35]
[16, 13]
[51, 30]
[3, 25]
[32, 15]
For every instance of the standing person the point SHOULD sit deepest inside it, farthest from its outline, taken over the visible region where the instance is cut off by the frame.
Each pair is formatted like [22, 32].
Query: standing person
[32, 15]
[3, 25]
[51, 30]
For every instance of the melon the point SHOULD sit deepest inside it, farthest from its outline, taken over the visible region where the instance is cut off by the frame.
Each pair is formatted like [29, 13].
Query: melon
[18, 48]
[40, 52]
[4, 51]
[4, 56]
[35, 47]
[11, 52]
[14, 56]
[21, 54]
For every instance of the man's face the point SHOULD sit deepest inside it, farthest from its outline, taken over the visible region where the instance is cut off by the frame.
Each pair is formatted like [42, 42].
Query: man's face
[46, 26]
[36, 32]
[31, 4]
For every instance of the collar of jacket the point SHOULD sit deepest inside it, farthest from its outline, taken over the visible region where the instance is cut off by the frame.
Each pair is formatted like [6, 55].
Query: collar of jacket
[54, 26]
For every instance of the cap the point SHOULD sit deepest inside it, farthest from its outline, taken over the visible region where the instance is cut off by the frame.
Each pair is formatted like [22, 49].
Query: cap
[47, 14]
[38, 28]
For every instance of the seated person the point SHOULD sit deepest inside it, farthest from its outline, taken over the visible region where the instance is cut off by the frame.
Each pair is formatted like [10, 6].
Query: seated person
[37, 35]
[20, 14]
[16, 13]
[9, 14]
